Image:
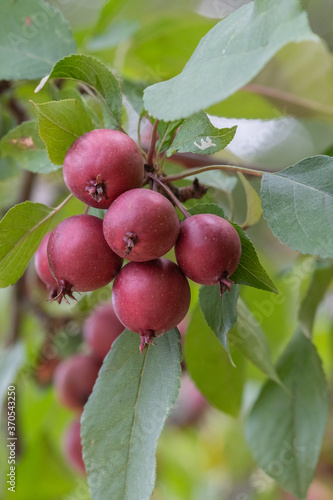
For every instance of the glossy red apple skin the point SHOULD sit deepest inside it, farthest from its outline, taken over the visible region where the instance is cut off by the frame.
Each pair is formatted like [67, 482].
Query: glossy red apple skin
[109, 154]
[79, 257]
[144, 218]
[208, 249]
[152, 297]
[42, 265]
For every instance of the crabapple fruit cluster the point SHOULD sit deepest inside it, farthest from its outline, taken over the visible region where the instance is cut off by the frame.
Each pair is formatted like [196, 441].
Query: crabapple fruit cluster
[151, 294]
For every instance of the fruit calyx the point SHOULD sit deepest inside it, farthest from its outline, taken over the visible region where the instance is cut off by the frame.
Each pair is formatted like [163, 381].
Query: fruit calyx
[65, 289]
[225, 284]
[147, 337]
[130, 239]
[97, 188]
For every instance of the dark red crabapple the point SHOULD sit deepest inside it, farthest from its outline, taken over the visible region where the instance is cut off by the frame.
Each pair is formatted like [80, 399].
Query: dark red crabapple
[150, 298]
[42, 267]
[79, 257]
[141, 225]
[74, 379]
[208, 250]
[72, 446]
[102, 164]
[100, 329]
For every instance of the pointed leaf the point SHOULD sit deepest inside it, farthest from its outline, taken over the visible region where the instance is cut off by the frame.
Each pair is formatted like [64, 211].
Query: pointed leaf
[209, 366]
[198, 135]
[33, 36]
[298, 205]
[285, 432]
[125, 415]
[249, 339]
[250, 271]
[319, 283]
[254, 210]
[24, 145]
[228, 57]
[220, 312]
[92, 72]
[21, 230]
[60, 124]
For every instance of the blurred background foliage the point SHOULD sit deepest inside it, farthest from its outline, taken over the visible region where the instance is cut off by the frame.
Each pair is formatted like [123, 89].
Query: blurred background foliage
[284, 115]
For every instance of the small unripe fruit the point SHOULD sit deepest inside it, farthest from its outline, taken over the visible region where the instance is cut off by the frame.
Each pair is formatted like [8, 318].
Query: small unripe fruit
[102, 164]
[74, 379]
[208, 250]
[42, 267]
[79, 257]
[150, 298]
[141, 225]
[100, 330]
[73, 447]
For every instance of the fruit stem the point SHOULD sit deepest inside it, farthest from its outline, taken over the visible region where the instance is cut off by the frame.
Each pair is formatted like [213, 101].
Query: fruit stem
[153, 141]
[196, 171]
[147, 337]
[170, 194]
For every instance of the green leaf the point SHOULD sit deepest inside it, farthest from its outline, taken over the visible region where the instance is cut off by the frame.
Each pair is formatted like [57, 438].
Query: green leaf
[125, 414]
[21, 231]
[298, 205]
[319, 283]
[285, 432]
[220, 312]
[209, 366]
[249, 271]
[198, 135]
[254, 210]
[24, 145]
[228, 57]
[60, 124]
[118, 32]
[216, 180]
[92, 72]
[166, 132]
[249, 339]
[33, 36]
[207, 208]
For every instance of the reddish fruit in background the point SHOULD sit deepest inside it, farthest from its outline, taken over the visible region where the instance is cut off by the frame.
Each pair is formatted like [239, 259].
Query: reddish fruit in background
[190, 405]
[141, 225]
[208, 250]
[100, 329]
[74, 379]
[72, 446]
[42, 267]
[102, 164]
[151, 297]
[79, 257]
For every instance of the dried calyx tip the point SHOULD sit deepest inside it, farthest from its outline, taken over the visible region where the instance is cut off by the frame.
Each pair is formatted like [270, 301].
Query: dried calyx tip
[146, 338]
[64, 290]
[225, 284]
[130, 239]
[97, 189]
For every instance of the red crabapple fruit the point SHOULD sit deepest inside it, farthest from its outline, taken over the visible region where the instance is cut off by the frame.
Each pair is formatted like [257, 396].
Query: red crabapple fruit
[42, 267]
[79, 257]
[72, 446]
[151, 297]
[141, 225]
[74, 379]
[102, 164]
[100, 329]
[208, 250]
